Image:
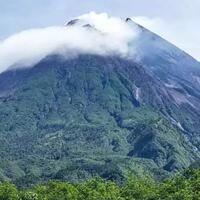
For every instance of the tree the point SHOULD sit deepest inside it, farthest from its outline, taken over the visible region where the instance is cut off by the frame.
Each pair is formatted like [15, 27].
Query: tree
[8, 191]
[137, 189]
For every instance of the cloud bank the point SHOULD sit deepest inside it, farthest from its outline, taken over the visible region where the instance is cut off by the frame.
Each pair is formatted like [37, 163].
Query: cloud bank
[107, 35]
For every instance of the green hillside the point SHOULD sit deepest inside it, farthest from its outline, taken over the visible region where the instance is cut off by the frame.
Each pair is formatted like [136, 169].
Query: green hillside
[80, 118]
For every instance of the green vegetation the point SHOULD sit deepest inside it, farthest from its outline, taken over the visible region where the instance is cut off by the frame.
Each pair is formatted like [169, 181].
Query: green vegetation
[185, 186]
[73, 120]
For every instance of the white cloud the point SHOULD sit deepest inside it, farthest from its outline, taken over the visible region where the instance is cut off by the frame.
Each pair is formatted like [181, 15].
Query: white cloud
[110, 35]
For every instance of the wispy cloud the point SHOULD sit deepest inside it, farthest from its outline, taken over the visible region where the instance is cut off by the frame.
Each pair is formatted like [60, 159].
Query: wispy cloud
[109, 35]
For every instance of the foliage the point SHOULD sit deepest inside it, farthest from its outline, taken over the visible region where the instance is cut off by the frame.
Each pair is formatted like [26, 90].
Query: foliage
[8, 191]
[184, 186]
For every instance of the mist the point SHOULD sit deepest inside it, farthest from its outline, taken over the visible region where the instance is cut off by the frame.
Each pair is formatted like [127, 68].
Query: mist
[107, 35]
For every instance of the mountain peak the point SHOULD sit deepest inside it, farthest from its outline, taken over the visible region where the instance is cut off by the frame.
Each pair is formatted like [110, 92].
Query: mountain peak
[80, 23]
[128, 19]
[72, 22]
[132, 22]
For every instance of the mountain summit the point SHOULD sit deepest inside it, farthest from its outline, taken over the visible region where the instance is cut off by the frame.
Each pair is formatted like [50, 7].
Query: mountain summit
[72, 118]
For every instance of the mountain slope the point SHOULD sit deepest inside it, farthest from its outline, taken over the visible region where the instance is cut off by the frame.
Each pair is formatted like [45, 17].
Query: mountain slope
[99, 115]
[179, 72]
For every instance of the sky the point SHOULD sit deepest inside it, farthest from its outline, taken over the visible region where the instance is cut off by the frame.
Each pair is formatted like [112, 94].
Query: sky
[176, 20]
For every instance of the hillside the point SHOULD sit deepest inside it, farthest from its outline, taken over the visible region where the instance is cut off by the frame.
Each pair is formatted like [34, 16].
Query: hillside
[73, 119]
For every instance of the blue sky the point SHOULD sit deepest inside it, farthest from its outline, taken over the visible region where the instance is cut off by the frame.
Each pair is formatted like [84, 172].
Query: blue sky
[176, 20]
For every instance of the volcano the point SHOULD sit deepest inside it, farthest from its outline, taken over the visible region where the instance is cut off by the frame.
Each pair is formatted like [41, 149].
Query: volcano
[101, 115]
